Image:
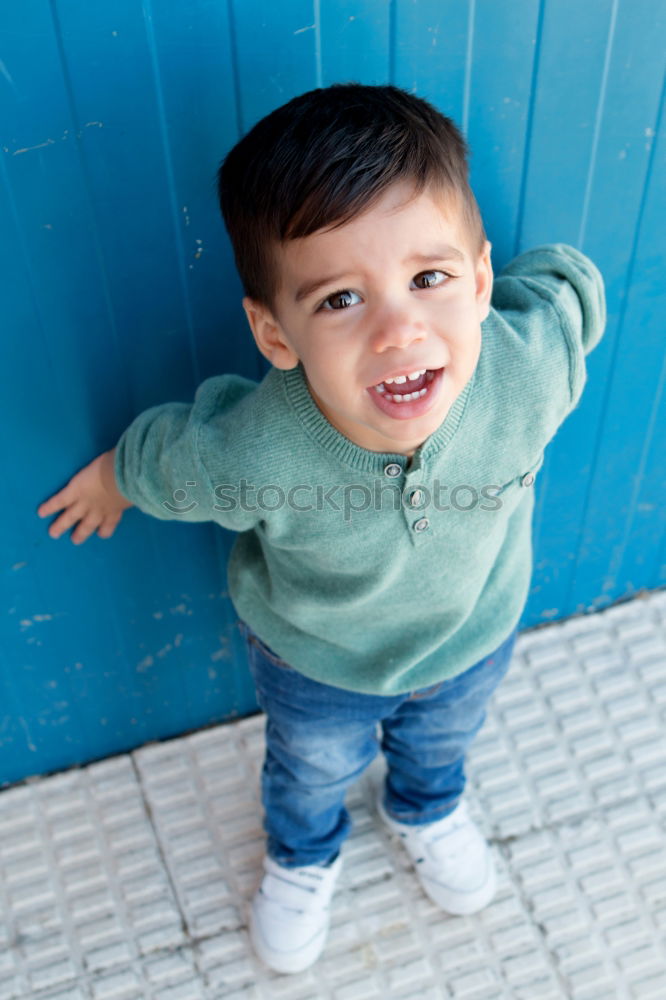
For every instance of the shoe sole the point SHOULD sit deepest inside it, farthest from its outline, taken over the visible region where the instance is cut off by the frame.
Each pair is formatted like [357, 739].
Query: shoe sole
[286, 962]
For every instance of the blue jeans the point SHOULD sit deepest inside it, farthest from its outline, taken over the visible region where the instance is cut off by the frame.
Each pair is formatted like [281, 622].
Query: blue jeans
[320, 739]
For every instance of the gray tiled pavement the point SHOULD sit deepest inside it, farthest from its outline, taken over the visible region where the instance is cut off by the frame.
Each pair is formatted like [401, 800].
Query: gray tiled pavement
[129, 879]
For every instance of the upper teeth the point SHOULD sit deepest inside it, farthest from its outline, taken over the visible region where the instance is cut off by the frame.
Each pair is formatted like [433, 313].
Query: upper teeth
[403, 378]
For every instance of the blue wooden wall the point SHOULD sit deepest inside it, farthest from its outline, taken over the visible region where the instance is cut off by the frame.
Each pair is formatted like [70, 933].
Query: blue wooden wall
[119, 292]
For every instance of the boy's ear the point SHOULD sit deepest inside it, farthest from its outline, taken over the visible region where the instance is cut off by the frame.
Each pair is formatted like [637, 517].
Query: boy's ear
[484, 280]
[269, 336]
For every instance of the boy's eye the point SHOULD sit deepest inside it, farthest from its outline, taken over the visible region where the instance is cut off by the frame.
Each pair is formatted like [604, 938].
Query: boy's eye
[339, 300]
[430, 278]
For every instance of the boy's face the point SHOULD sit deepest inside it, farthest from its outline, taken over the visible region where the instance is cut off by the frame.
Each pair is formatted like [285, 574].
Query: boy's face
[398, 291]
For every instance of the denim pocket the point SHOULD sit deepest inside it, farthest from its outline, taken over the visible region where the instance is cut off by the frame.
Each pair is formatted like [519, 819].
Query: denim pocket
[261, 648]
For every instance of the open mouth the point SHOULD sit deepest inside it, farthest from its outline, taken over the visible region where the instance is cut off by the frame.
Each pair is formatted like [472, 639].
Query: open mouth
[408, 395]
[406, 387]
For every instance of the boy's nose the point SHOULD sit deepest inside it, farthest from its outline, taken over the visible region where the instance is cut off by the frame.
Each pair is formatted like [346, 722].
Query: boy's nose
[396, 329]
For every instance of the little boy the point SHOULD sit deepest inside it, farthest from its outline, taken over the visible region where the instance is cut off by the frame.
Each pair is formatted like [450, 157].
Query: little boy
[380, 478]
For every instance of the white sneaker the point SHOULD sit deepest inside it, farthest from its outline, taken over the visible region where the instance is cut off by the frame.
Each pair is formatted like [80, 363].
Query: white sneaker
[452, 859]
[290, 914]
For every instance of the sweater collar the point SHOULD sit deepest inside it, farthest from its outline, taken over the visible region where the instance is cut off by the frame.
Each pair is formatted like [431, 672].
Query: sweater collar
[318, 427]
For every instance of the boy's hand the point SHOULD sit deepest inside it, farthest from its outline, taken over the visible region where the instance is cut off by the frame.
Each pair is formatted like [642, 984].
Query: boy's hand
[91, 498]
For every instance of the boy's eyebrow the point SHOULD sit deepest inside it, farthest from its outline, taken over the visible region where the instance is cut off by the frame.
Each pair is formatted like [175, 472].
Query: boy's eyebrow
[444, 252]
[311, 286]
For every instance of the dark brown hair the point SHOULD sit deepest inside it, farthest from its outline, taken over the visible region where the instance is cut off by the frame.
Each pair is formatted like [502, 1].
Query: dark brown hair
[323, 158]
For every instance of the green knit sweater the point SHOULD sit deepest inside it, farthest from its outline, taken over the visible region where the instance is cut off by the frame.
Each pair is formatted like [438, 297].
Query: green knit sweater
[371, 571]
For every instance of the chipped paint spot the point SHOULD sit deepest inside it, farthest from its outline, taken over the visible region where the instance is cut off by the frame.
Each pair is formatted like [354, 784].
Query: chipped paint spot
[19, 565]
[144, 665]
[158, 614]
[51, 142]
[28, 622]
[40, 145]
[28, 740]
[179, 638]
[308, 27]
[165, 649]
[224, 652]
[5, 73]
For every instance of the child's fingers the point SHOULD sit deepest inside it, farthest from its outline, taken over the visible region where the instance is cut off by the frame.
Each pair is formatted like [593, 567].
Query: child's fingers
[53, 504]
[85, 529]
[66, 520]
[108, 526]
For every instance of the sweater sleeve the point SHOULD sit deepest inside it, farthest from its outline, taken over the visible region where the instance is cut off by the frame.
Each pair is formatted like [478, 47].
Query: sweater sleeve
[158, 462]
[573, 288]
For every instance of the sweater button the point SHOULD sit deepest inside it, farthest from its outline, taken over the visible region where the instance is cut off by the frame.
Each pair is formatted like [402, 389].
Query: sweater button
[422, 524]
[416, 498]
[392, 470]
[527, 479]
